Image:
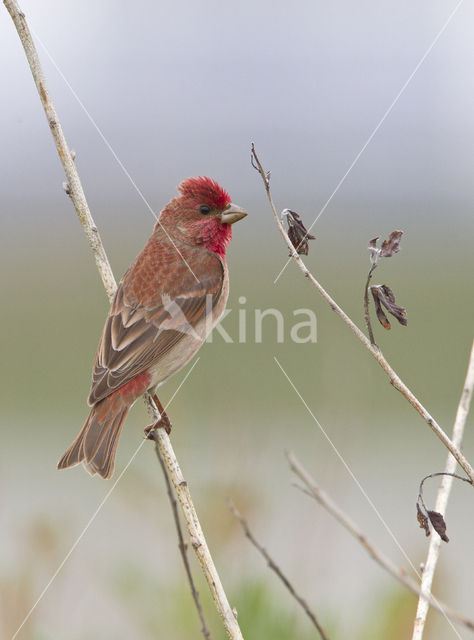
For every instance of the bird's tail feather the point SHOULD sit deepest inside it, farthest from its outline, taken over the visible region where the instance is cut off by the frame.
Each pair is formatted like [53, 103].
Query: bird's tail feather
[96, 444]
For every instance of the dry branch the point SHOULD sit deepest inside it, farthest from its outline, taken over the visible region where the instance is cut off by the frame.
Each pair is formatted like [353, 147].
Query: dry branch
[372, 348]
[399, 573]
[274, 567]
[368, 323]
[181, 544]
[76, 193]
[442, 501]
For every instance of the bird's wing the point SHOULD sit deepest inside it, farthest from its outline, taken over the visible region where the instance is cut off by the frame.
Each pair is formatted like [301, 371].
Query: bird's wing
[158, 302]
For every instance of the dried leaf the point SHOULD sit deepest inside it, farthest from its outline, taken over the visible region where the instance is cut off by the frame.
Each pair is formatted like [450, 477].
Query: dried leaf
[384, 295]
[297, 232]
[388, 248]
[378, 309]
[388, 293]
[422, 520]
[392, 245]
[439, 525]
[300, 244]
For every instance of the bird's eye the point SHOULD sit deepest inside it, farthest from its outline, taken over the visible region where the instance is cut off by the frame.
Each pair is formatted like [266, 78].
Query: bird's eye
[204, 209]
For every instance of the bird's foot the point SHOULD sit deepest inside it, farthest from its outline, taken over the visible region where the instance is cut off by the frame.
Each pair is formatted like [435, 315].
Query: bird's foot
[162, 423]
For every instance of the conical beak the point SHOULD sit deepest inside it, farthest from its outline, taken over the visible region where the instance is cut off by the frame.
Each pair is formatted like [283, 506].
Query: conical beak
[232, 214]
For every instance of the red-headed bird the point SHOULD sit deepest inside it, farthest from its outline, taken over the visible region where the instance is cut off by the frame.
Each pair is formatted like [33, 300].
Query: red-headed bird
[165, 305]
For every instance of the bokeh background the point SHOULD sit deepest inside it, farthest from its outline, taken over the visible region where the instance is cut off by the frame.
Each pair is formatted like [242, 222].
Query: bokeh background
[180, 89]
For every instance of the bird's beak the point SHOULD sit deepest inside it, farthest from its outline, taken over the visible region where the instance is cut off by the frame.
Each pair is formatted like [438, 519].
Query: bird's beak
[232, 214]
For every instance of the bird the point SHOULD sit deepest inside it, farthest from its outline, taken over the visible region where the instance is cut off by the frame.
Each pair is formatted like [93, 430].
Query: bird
[166, 304]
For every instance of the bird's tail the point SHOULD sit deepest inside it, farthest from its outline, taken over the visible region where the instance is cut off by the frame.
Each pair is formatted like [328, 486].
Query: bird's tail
[96, 444]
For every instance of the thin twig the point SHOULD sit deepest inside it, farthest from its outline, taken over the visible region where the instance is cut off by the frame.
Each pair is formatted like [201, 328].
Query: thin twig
[442, 500]
[368, 323]
[274, 567]
[373, 349]
[181, 544]
[77, 196]
[314, 491]
[437, 474]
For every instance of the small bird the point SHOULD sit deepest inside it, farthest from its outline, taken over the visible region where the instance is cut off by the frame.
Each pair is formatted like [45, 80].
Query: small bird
[166, 304]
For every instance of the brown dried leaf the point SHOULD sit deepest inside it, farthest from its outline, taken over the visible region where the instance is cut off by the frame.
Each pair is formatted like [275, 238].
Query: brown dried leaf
[297, 232]
[392, 245]
[378, 308]
[299, 243]
[439, 525]
[388, 248]
[422, 520]
[388, 293]
[385, 295]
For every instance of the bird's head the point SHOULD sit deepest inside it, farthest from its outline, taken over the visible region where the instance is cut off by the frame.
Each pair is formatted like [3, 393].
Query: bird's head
[202, 214]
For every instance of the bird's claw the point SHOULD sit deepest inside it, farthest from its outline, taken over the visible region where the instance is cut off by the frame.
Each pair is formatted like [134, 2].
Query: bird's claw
[162, 423]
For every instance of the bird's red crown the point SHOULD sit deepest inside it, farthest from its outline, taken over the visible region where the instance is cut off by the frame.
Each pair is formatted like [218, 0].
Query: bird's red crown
[206, 191]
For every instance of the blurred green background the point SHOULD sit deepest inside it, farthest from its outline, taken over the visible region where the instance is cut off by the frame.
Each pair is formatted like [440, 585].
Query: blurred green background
[180, 91]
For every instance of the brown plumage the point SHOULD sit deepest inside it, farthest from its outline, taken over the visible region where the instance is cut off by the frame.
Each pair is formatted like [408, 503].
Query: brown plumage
[165, 305]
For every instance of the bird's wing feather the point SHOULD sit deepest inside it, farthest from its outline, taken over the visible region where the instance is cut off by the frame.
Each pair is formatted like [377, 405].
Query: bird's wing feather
[158, 302]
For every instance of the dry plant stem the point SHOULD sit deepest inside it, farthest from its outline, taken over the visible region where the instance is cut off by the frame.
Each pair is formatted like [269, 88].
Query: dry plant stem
[442, 501]
[77, 196]
[373, 349]
[276, 568]
[181, 544]
[366, 306]
[318, 494]
[198, 540]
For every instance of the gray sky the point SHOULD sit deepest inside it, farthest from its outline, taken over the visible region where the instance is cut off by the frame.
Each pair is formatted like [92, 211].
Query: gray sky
[181, 88]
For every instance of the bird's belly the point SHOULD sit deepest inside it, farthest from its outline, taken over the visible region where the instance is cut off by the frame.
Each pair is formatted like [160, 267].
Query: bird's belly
[176, 358]
[187, 347]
